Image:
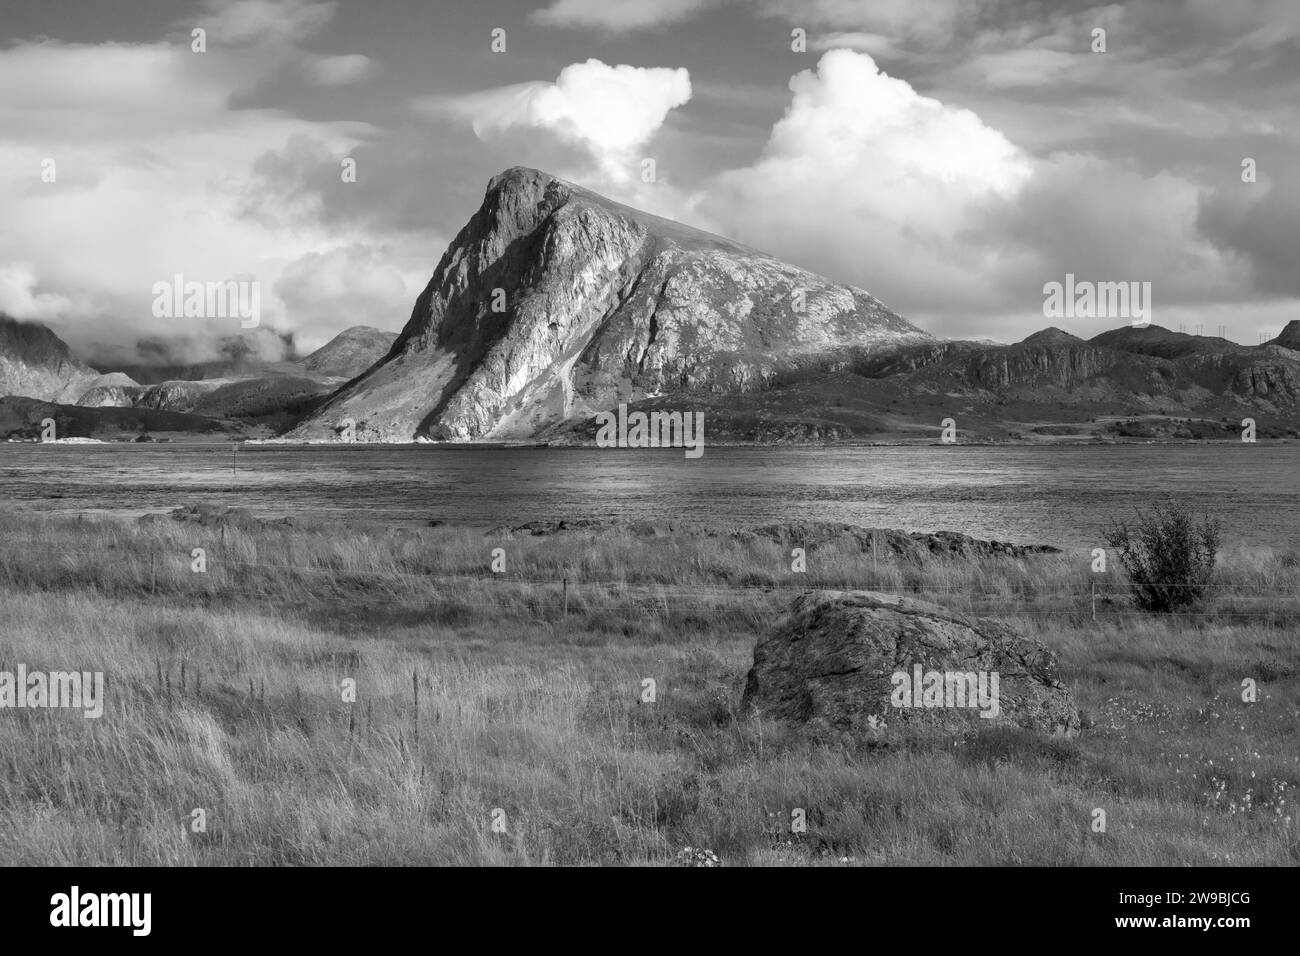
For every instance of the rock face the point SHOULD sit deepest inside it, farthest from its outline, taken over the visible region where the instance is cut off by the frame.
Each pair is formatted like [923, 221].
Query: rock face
[554, 303]
[36, 363]
[830, 664]
[109, 396]
[178, 396]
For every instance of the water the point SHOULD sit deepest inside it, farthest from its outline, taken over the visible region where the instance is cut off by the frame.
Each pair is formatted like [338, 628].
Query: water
[1062, 495]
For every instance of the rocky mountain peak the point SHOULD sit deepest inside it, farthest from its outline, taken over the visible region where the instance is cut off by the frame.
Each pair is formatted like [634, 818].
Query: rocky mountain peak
[554, 302]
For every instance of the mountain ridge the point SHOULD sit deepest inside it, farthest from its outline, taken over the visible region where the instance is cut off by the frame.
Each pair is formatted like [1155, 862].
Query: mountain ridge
[554, 303]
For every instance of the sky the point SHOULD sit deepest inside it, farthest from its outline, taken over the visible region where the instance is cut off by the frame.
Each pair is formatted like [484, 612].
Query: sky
[949, 156]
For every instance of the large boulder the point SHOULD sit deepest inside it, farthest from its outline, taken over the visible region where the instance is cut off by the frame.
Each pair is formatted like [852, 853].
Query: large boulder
[893, 668]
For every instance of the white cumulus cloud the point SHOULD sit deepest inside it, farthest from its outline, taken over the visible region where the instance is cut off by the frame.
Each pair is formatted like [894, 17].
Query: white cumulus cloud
[874, 182]
[609, 112]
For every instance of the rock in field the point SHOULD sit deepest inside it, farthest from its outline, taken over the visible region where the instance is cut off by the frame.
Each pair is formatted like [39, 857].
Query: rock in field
[893, 668]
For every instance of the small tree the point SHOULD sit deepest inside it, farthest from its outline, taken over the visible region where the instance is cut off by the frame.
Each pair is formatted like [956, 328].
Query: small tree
[1169, 559]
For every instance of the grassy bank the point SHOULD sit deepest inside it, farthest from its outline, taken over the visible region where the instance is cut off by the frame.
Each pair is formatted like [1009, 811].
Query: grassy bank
[476, 692]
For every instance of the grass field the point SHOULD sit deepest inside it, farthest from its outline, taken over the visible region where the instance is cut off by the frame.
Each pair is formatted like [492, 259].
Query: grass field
[478, 699]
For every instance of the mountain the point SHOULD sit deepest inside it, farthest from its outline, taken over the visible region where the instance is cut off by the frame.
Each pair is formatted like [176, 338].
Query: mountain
[1289, 337]
[553, 303]
[242, 387]
[36, 363]
[1128, 382]
[241, 396]
[350, 353]
[114, 390]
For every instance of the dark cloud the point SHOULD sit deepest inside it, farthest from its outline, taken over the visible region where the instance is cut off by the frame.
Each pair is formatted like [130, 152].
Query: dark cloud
[1261, 223]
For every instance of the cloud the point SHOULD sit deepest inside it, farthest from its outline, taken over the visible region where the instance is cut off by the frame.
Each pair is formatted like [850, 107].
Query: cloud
[951, 223]
[1035, 67]
[338, 70]
[873, 43]
[54, 91]
[188, 348]
[1099, 220]
[153, 166]
[271, 22]
[868, 179]
[923, 23]
[1261, 223]
[619, 15]
[19, 296]
[609, 112]
[327, 292]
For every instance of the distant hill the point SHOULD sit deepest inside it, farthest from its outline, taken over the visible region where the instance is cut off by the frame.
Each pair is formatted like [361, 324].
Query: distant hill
[243, 387]
[350, 353]
[21, 418]
[240, 396]
[1163, 343]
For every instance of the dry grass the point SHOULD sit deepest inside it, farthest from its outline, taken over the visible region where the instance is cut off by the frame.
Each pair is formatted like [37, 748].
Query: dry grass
[527, 711]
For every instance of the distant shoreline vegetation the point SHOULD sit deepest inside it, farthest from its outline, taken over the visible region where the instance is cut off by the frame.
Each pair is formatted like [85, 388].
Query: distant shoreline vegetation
[651, 430]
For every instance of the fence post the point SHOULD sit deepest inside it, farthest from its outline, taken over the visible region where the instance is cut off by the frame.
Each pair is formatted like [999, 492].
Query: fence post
[566, 597]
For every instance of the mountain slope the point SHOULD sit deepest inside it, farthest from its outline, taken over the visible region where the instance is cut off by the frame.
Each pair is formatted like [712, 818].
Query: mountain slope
[36, 363]
[553, 303]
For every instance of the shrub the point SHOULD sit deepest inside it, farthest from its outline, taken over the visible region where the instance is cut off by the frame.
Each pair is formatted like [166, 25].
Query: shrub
[1169, 559]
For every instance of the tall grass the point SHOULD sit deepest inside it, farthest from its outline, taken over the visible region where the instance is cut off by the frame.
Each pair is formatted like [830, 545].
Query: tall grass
[537, 714]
